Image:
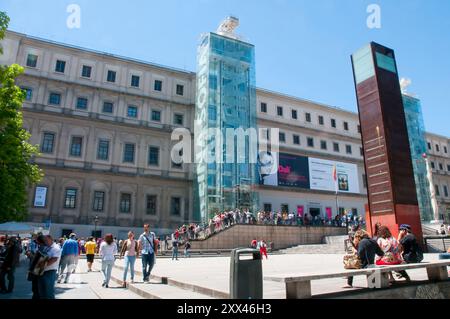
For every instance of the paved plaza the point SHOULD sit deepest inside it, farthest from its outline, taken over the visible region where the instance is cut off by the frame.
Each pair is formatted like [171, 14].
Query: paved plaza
[210, 273]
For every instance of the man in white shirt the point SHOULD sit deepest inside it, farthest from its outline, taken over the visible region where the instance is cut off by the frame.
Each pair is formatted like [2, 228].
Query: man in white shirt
[146, 247]
[46, 282]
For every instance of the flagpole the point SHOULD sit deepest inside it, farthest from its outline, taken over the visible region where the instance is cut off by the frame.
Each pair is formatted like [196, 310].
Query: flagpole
[336, 188]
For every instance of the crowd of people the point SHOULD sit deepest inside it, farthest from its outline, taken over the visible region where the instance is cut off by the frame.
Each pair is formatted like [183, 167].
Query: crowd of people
[52, 261]
[223, 220]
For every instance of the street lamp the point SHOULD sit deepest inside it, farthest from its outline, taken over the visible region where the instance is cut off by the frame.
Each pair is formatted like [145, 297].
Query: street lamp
[95, 223]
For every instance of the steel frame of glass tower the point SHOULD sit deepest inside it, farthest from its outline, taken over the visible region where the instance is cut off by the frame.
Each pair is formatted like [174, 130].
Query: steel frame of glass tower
[418, 146]
[226, 99]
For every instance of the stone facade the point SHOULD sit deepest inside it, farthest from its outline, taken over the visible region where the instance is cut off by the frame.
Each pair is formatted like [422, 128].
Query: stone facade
[280, 236]
[439, 155]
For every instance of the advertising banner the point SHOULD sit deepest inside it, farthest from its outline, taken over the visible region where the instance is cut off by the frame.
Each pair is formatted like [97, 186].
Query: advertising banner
[300, 210]
[40, 196]
[321, 176]
[307, 172]
[329, 212]
[293, 171]
[268, 168]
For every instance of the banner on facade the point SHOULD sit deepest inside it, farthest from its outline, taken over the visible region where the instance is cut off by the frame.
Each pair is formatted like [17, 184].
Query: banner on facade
[40, 196]
[309, 173]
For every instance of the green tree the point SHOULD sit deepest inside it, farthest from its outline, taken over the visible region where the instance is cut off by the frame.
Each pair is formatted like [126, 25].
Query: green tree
[17, 170]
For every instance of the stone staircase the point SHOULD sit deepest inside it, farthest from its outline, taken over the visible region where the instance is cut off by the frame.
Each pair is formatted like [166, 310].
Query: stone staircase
[331, 245]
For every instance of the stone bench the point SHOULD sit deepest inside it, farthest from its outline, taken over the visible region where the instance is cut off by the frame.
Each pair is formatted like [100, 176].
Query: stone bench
[299, 286]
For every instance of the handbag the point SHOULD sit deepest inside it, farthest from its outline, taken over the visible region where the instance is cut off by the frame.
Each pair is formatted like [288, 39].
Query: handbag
[352, 261]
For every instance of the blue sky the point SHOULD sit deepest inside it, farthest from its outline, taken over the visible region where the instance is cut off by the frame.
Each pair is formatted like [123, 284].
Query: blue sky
[303, 47]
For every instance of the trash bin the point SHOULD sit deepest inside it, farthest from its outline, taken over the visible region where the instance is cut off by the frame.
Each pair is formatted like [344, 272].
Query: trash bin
[246, 274]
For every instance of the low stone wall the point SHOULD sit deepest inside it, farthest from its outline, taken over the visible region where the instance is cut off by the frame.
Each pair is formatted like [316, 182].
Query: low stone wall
[418, 290]
[281, 236]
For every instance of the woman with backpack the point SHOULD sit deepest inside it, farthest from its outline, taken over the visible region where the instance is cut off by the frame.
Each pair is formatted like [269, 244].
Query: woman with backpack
[366, 249]
[130, 250]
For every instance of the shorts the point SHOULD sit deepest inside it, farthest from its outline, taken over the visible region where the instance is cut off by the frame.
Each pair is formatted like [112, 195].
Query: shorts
[90, 258]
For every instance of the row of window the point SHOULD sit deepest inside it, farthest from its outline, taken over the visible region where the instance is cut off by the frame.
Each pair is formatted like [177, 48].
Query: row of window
[440, 165]
[438, 149]
[444, 188]
[103, 150]
[111, 75]
[125, 202]
[310, 143]
[108, 107]
[294, 116]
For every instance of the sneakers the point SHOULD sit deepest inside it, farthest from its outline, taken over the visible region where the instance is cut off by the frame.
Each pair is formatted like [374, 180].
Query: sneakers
[103, 284]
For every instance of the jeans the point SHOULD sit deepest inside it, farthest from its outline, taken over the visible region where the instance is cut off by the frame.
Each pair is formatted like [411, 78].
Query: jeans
[129, 262]
[46, 285]
[35, 287]
[148, 260]
[107, 266]
[187, 253]
[175, 253]
[10, 275]
[68, 261]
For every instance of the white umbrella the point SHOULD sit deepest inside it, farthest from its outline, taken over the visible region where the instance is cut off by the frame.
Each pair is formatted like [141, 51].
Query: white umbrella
[15, 228]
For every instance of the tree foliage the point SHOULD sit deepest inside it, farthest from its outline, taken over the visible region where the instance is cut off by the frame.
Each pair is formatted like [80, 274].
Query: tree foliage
[17, 170]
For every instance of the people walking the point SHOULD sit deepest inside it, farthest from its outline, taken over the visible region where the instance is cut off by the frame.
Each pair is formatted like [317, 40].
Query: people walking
[69, 256]
[175, 244]
[129, 251]
[147, 249]
[107, 251]
[187, 248]
[366, 249]
[52, 255]
[11, 260]
[262, 248]
[90, 248]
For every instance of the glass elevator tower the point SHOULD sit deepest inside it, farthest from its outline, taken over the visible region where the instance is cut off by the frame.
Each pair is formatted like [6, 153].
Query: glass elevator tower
[226, 175]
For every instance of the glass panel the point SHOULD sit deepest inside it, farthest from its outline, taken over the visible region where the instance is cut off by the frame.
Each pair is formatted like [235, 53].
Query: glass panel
[32, 60]
[86, 71]
[363, 64]
[103, 150]
[47, 143]
[128, 153]
[75, 147]
[386, 62]
[82, 103]
[151, 205]
[153, 155]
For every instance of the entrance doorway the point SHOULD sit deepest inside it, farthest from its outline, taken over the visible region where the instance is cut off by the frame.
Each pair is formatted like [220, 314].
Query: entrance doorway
[314, 211]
